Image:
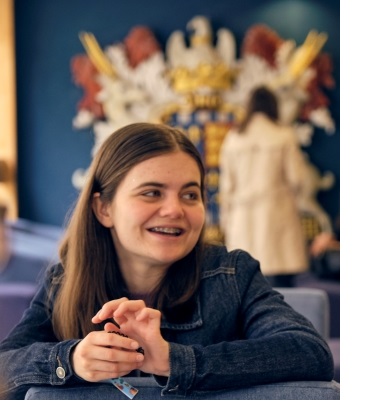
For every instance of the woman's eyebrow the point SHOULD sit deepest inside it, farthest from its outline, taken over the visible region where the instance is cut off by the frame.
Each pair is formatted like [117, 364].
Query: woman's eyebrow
[154, 184]
[192, 184]
[161, 185]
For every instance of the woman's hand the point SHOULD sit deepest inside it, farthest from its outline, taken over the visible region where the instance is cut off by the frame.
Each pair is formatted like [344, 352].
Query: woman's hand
[143, 325]
[102, 355]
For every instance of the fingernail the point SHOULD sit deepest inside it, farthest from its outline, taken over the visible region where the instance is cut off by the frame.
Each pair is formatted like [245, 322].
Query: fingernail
[97, 314]
[134, 345]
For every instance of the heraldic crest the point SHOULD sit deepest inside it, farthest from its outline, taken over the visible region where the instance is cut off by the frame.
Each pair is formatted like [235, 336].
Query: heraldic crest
[201, 86]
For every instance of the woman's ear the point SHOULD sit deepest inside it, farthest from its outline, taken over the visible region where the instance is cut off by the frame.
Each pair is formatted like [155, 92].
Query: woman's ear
[100, 210]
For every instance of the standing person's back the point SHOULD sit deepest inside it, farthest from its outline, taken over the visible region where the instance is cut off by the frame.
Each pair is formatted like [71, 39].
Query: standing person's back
[261, 171]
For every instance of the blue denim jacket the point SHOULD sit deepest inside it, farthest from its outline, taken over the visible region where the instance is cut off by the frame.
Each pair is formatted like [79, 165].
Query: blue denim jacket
[241, 333]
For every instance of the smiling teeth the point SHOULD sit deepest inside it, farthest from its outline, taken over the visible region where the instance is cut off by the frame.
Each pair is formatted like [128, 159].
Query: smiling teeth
[166, 230]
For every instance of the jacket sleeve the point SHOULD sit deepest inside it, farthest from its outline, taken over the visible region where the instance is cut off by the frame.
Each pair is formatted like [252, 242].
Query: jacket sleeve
[278, 344]
[31, 354]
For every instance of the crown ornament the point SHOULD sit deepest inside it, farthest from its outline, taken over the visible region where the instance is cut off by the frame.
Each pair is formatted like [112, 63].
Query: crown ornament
[201, 71]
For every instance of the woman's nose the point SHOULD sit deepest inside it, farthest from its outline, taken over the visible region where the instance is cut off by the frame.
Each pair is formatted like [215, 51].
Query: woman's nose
[172, 207]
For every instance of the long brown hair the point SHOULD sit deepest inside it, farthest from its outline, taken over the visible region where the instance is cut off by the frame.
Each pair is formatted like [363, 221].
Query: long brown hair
[91, 274]
[261, 100]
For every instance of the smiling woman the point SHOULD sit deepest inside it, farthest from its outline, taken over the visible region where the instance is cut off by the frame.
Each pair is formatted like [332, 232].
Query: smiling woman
[159, 204]
[134, 262]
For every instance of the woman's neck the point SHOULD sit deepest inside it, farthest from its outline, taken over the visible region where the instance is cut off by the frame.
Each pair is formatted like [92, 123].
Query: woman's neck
[142, 280]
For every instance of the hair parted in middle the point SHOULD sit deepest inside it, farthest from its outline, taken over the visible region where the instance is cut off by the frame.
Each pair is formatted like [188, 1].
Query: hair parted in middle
[91, 272]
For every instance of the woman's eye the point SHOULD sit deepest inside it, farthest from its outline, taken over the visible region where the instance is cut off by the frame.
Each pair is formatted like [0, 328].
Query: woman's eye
[152, 193]
[191, 196]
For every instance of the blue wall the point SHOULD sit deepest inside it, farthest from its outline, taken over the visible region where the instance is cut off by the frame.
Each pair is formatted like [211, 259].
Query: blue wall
[50, 150]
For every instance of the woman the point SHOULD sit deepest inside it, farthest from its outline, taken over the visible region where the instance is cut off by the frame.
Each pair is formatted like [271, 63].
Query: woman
[134, 263]
[261, 172]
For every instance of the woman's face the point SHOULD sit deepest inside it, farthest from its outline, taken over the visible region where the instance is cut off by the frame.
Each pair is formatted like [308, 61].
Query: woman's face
[157, 213]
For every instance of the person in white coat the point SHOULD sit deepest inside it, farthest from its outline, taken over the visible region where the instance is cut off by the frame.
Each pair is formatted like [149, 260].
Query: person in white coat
[260, 175]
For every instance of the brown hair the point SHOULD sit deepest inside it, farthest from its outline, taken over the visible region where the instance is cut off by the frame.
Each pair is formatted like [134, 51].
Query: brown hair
[91, 274]
[261, 100]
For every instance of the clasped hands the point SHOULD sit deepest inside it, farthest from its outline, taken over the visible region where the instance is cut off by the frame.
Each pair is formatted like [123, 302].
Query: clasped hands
[104, 354]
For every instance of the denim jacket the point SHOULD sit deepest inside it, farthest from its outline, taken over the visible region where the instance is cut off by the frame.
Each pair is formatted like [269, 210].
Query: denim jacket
[240, 333]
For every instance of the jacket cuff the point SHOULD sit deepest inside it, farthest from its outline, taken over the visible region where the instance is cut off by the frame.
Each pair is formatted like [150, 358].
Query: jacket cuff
[182, 371]
[60, 363]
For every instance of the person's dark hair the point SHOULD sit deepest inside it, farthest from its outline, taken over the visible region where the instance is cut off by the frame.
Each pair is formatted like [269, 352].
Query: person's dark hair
[91, 273]
[263, 100]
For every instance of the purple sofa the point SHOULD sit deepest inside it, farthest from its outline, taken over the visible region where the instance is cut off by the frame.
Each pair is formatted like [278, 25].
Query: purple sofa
[32, 247]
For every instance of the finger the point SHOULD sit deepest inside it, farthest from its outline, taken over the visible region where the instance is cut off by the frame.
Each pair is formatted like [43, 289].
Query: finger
[100, 339]
[107, 310]
[105, 370]
[120, 355]
[148, 314]
[122, 341]
[129, 307]
[111, 328]
[111, 363]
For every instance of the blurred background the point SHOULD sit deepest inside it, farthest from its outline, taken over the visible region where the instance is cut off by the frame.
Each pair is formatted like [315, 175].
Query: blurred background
[48, 149]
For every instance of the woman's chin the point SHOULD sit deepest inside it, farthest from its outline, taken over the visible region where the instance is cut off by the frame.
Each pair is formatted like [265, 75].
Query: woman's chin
[169, 256]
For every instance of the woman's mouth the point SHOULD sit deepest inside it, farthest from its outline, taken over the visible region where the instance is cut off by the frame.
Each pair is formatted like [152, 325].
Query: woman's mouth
[170, 231]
